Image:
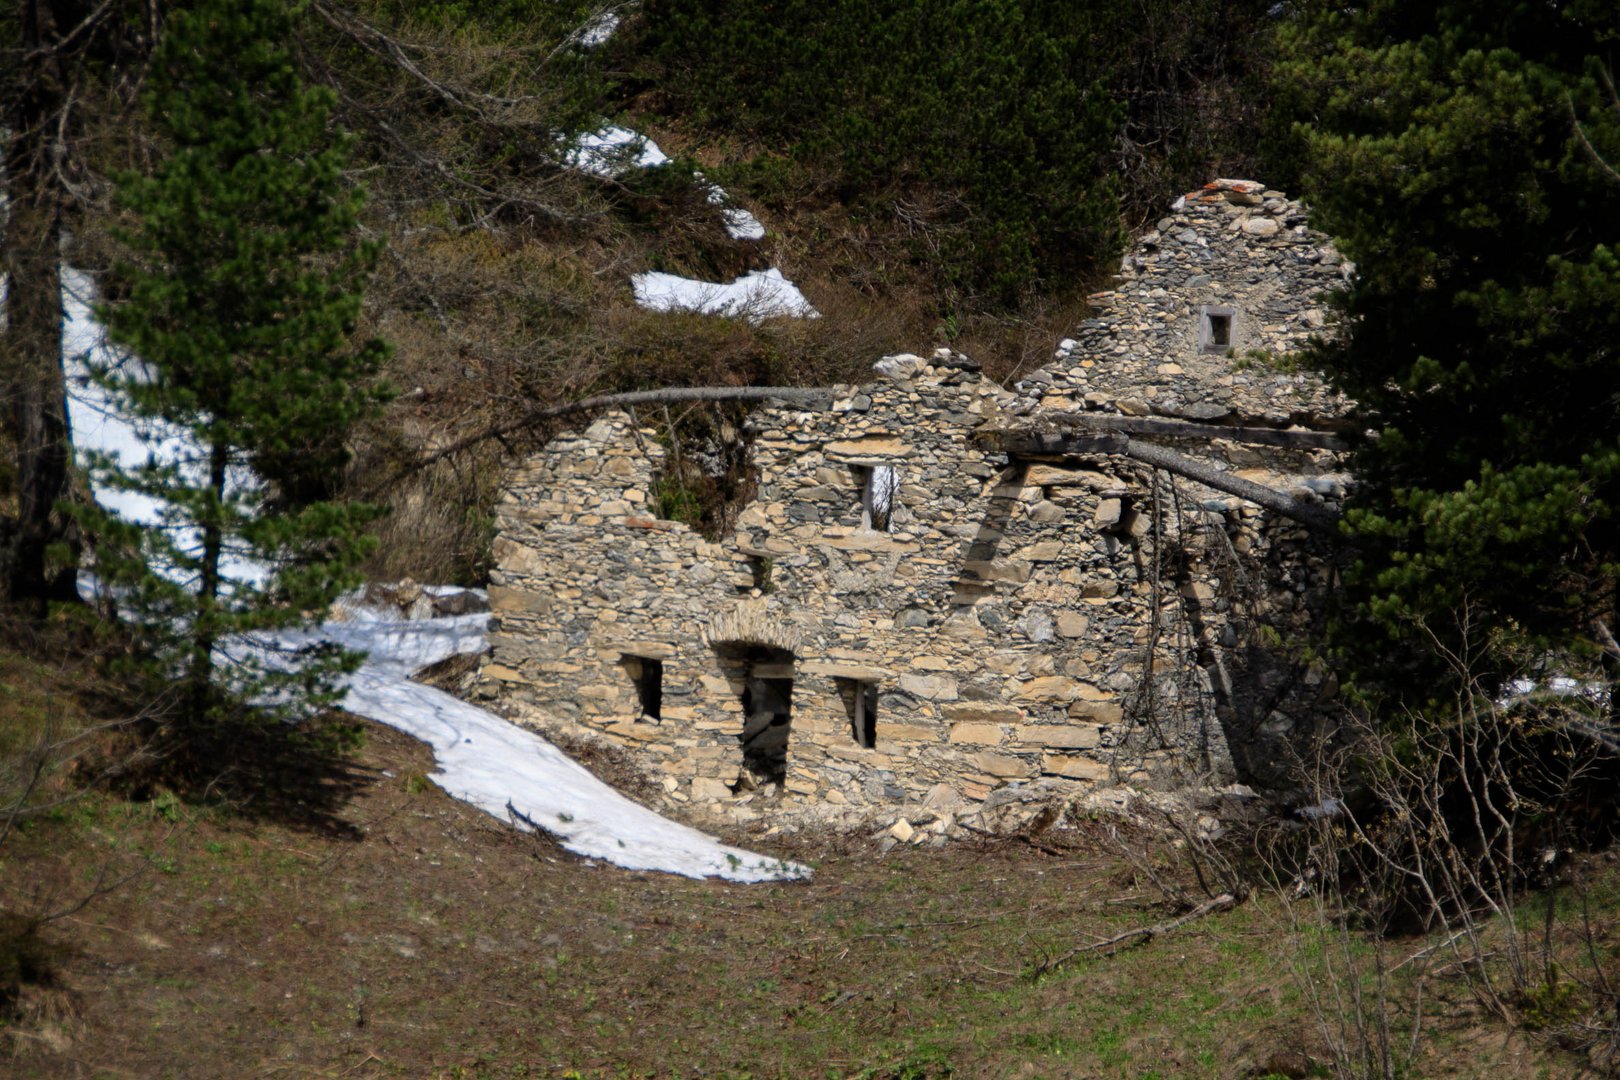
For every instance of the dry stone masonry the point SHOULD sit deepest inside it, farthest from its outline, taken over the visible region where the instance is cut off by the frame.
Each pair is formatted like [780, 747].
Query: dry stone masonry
[905, 615]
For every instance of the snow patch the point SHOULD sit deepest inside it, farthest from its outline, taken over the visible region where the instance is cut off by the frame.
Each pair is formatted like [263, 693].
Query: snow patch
[514, 774]
[1327, 808]
[740, 224]
[1592, 691]
[754, 296]
[611, 150]
[598, 30]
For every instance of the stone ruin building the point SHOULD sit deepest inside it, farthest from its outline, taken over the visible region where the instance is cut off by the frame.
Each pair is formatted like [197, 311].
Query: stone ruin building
[944, 587]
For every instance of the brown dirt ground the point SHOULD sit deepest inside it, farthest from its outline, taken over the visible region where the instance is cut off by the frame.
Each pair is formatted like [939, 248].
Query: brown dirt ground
[390, 931]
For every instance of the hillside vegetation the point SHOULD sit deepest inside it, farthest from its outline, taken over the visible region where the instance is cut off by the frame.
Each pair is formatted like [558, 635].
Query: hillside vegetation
[927, 175]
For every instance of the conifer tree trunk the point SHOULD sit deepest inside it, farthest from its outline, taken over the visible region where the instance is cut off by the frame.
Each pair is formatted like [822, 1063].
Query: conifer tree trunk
[31, 357]
[213, 543]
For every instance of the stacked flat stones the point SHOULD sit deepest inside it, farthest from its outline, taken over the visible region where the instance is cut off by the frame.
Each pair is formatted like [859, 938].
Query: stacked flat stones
[1074, 623]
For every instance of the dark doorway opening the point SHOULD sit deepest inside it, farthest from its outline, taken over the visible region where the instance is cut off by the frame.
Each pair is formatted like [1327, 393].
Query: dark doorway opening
[648, 676]
[766, 675]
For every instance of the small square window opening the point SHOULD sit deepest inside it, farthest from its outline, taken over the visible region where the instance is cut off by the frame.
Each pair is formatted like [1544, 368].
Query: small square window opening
[1217, 329]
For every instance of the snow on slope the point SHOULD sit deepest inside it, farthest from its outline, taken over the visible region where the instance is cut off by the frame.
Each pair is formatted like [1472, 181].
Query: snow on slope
[483, 759]
[740, 224]
[514, 774]
[597, 32]
[755, 296]
[610, 150]
[100, 425]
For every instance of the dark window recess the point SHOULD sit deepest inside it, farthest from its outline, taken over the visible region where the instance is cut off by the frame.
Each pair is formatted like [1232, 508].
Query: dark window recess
[861, 703]
[648, 676]
[1216, 326]
[761, 568]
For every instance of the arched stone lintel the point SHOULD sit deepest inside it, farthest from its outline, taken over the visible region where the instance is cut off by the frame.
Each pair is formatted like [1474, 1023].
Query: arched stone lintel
[751, 622]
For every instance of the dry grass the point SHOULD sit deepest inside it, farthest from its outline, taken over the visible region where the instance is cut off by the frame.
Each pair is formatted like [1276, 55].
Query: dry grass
[488, 322]
[423, 938]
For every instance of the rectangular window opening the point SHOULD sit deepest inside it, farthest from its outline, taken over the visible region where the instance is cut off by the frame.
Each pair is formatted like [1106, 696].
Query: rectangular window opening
[1216, 329]
[880, 489]
[861, 703]
[762, 568]
[648, 676]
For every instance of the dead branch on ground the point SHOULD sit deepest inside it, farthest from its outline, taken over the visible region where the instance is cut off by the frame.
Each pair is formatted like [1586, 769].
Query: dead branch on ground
[1141, 935]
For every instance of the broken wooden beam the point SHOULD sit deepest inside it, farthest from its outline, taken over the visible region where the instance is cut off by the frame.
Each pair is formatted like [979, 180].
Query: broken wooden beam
[1032, 444]
[1288, 438]
[1314, 515]
[1047, 444]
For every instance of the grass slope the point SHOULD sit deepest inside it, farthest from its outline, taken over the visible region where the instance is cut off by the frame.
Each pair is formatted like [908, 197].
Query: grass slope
[367, 925]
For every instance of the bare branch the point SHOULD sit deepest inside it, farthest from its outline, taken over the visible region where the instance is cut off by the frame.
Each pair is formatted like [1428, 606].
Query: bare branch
[65, 43]
[385, 46]
[672, 395]
[1141, 935]
[1580, 129]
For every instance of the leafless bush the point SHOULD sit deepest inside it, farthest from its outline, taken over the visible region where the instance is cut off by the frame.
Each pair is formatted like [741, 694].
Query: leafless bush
[1444, 848]
[440, 523]
[59, 742]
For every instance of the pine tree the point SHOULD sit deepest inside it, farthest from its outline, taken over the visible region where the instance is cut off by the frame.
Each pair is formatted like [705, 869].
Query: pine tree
[242, 295]
[1457, 152]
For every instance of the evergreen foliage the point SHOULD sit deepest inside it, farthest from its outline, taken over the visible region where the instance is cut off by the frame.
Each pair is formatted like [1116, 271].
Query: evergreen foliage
[241, 301]
[1444, 149]
[975, 111]
[1009, 137]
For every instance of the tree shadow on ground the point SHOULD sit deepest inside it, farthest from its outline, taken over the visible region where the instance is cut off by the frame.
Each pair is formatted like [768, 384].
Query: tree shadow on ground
[265, 773]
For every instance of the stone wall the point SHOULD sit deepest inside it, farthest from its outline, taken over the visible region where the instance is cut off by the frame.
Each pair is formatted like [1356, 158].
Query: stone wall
[1234, 246]
[1083, 621]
